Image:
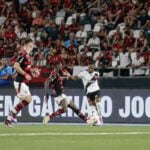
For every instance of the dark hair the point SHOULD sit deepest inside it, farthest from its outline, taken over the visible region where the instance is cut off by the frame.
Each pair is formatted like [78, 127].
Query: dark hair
[27, 41]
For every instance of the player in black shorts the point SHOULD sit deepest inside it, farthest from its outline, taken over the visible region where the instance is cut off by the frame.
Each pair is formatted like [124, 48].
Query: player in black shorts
[91, 86]
[55, 83]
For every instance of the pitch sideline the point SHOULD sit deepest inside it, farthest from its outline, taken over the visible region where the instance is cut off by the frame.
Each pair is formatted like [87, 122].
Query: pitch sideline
[75, 134]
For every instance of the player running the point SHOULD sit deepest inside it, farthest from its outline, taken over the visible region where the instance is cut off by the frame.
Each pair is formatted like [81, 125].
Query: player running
[55, 82]
[90, 81]
[23, 67]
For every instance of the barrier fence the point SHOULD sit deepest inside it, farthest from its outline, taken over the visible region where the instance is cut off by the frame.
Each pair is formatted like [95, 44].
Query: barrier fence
[118, 106]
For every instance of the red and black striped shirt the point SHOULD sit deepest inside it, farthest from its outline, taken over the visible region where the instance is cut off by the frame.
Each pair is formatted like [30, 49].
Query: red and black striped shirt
[56, 83]
[24, 60]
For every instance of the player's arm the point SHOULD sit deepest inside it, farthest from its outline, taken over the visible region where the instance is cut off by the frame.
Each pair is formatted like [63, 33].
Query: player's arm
[46, 86]
[97, 75]
[74, 77]
[21, 71]
[79, 76]
[66, 75]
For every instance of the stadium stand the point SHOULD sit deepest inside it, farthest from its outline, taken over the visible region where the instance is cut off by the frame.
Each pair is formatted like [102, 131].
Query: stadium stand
[112, 33]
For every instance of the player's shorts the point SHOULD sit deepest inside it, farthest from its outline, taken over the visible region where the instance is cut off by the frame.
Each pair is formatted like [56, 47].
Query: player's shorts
[22, 89]
[93, 95]
[62, 97]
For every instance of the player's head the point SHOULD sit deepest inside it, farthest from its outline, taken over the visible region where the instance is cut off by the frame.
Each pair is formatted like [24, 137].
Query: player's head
[28, 45]
[91, 67]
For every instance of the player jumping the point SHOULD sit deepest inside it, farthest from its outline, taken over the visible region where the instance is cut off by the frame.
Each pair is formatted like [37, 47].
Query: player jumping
[23, 67]
[90, 81]
[55, 82]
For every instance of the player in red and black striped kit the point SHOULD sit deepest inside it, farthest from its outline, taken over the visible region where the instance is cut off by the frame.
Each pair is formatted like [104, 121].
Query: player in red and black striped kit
[23, 67]
[55, 82]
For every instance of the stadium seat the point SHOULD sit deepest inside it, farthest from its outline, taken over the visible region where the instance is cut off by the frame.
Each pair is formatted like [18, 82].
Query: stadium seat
[87, 27]
[111, 33]
[58, 20]
[69, 20]
[97, 27]
[136, 33]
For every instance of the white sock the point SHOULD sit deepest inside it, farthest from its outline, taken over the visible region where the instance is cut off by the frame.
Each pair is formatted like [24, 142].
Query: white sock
[98, 107]
[92, 111]
[14, 111]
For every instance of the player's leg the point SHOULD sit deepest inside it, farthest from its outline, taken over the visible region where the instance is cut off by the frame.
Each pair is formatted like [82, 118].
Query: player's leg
[73, 106]
[61, 110]
[92, 107]
[92, 113]
[62, 103]
[25, 98]
[95, 105]
[98, 107]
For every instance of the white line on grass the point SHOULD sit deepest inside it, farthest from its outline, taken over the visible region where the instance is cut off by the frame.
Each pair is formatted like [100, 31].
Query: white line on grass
[57, 134]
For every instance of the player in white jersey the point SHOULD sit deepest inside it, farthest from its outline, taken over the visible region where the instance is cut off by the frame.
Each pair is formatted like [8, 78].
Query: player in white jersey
[90, 81]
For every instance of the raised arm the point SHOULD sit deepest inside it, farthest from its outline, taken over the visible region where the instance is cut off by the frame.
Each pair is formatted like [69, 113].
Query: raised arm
[74, 77]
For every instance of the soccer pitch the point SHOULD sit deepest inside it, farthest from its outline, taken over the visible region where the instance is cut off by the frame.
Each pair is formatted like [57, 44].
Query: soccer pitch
[66, 137]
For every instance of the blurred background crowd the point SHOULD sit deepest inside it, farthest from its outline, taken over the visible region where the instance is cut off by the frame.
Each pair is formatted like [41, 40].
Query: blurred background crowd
[111, 33]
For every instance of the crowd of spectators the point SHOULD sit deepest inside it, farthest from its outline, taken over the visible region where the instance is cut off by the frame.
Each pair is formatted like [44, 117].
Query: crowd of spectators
[112, 33]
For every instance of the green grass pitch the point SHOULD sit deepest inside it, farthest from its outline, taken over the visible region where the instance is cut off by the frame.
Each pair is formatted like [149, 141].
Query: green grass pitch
[61, 137]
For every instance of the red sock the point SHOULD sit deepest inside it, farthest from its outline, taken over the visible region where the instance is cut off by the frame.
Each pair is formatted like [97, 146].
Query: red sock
[57, 113]
[82, 116]
[19, 107]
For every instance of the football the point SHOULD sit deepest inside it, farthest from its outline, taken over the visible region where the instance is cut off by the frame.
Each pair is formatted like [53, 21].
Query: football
[91, 121]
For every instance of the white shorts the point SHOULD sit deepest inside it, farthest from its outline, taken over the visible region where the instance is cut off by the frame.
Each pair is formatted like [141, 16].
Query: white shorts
[23, 91]
[60, 98]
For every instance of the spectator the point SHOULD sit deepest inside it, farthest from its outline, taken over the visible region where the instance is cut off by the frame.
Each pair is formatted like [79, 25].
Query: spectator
[82, 29]
[86, 54]
[38, 21]
[131, 17]
[124, 59]
[64, 57]
[124, 62]
[129, 41]
[54, 32]
[94, 45]
[141, 42]
[72, 60]
[5, 73]
[54, 57]
[59, 46]
[81, 34]
[62, 28]
[74, 26]
[71, 40]
[41, 61]
[94, 42]
[84, 60]
[137, 63]
[143, 18]
[104, 60]
[115, 12]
